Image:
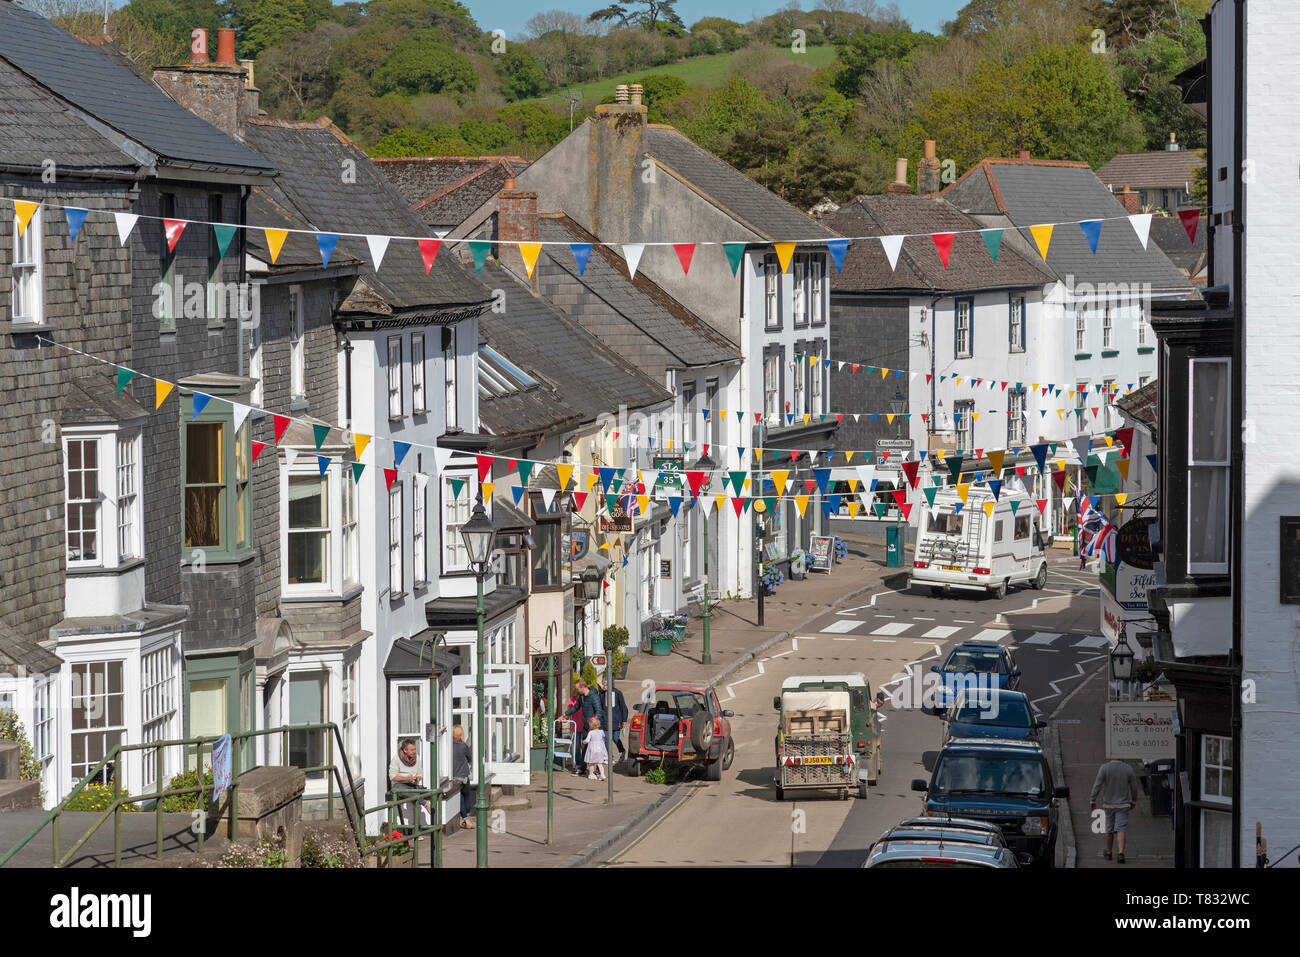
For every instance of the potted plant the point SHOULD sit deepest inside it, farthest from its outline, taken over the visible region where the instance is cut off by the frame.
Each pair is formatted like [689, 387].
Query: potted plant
[660, 637]
[1145, 671]
[841, 549]
[769, 576]
[678, 624]
[798, 565]
[620, 664]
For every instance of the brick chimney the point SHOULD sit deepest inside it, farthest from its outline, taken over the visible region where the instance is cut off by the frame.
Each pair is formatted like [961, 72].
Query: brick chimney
[899, 186]
[516, 222]
[1129, 200]
[927, 176]
[220, 93]
[615, 155]
[1024, 154]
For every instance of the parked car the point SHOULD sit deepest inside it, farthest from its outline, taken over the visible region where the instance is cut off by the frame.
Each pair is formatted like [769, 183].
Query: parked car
[827, 734]
[941, 842]
[1007, 783]
[681, 725]
[981, 665]
[991, 714]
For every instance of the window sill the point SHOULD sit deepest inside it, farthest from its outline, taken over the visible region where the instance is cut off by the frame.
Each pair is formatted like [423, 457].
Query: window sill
[1109, 353]
[1083, 355]
[963, 355]
[25, 328]
[299, 404]
[1016, 350]
[215, 557]
[290, 597]
[88, 569]
[1146, 350]
[396, 595]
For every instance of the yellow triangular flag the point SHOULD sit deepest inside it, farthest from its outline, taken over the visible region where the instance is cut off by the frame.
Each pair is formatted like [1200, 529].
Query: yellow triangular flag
[1034, 386]
[1070, 393]
[359, 442]
[883, 373]
[1060, 414]
[605, 546]
[745, 487]
[275, 242]
[563, 473]
[1110, 441]
[995, 461]
[643, 503]
[1060, 465]
[784, 253]
[801, 503]
[938, 453]
[25, 211]
[592, 479]
[1122, 465]
[717, 502]
[487, 490]
[975, 416]
[889, 417]
[959, 378]
[853, 485]
[779, 478]
[758, 458]
[812, 360]
[853, 509]
[848, 457]
[1121, 498]
[806, 417]
[1042, 237]
[723, 413]
[962, 489]
[670, 445]
[988, 509]
[529, 251]
[161, 390]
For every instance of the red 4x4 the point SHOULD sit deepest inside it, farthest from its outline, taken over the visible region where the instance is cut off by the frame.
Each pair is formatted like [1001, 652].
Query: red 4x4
[682, 725]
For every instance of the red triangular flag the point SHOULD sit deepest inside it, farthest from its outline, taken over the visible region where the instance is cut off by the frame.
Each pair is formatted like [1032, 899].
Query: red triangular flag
[794, 454]
[909, 469]
[738, 504]
[684, 253]
[884, 456]
[839, 416]
[943, 243]
[1004, 387]
[1095, 410]
[389, 475]
[925, 415]
[907, 511]
[979, 453]
[1020, 470]
[173, 228]
[429, 250]
[579, 500]
[1041, 503]
[484, 466]
[928, 377]
[695, 480]
[1190, 218]
[757, 416]
[510, 465]
[281, 423]
[1125, 437]
[1059, 478]
[855, 368]
[257, 449]
[899, 497]
[810, 484]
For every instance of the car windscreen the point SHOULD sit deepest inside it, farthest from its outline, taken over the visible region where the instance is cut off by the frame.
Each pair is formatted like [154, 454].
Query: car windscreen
[988, 774]
[993, 709]
[977, 662]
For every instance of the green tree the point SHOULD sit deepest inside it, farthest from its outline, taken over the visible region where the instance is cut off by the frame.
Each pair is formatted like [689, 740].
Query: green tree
[262, 23]
[521, 72]
[409, 142]
[862, 51]
[421, 63]
[534, 123]
[485, 137]
[173, 19]
[364, 116]
[623, 16]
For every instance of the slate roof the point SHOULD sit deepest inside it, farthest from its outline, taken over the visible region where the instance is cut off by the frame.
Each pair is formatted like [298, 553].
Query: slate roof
[95, 83]
[1163, 169]
[578, 376]
[94, 399]
[970, 267]
[671, 336]
[445, 190]
[310, 157]
[17, 652]
[1168, 233]
[1141, 405]
[757, 207]
[1024, 193]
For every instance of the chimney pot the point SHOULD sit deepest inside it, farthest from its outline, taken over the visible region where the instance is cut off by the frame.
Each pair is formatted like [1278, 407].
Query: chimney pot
[247, 66]
[226, 46]
[620, 93]
[635, 91]
[899, 186]
[509, 183]
[1024, 154]
[929, 149]
[198, 46]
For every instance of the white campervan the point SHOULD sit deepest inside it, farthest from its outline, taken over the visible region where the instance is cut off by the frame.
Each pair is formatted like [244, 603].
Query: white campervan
[973, 550]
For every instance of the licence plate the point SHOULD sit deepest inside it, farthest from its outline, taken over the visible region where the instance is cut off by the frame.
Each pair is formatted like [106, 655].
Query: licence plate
[823, 759]
[952, 568]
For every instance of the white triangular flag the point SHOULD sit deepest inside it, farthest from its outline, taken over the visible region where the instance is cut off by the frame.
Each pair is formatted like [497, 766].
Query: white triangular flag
[841, 368]
[632, 253]
[290, 455]
[865, 475]
[651, 479]
[548, 496]
[1142, 226]
[441, 233]
[378, 246]
[125, 223]
[892, 245]
[241, 413]
[440, 459]
[857, 416]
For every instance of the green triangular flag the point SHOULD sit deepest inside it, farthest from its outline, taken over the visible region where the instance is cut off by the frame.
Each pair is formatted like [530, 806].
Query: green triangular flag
[993, 240]
[479, 248]
[880, 509]
[124, 375]
[744, 505]
[611, 502]
[735, 253]
[1015, 505]
[954, 465]
[1053, 447]
[615, 483]
[769, 503]
[929, 495]
[737, 482]
[357, 469]
[320, 431]
[1091, 472]
[224, 234]
[456, 486]
[936, 479]
[525, 470]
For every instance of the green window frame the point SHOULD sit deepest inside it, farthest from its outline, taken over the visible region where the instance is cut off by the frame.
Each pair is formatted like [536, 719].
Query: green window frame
[217, 497]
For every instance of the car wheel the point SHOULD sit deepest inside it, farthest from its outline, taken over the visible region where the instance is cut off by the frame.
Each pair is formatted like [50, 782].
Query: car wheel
[1040, 580]
[729, 755]
[713, 771]
[633, 768]
[844, 794]
[1001, 591]
[862, 790]
[936, 591]
[780, 793]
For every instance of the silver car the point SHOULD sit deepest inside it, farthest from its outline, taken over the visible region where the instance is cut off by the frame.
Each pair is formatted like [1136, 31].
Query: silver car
[941, 842]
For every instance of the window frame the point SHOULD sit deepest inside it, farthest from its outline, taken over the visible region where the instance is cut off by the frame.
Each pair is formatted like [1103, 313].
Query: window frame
[34, 282]
[420, 530]
[773, 358]
[1225, 465]
[1017, 309]
[1216, 797]
[957, 350]
[1017, 428]
[1080, 329]
[216, 307]
[419, 404]
[817, 271]
[450, 533]
[450, 378]
[236, 451]
[108, 729]
[331, 549]
[396, 402]
[108, 441]
[1107, 328]
[555, 526]
[799, 291]
[965, 408]
[771, 293]
[297, 346]
[396, 554]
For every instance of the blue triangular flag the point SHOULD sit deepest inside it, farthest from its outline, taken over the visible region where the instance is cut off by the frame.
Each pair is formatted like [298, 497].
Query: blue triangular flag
[518, 492]
[1040, 455]
[789, 417]
[706, 414]
[324, 463]
[674, 502]
[200, 403]
[606, 475]
[837, 249]
[823, 476]
[1152, 459]
[581, 253]
[834, 502]
[399, 452]
[740, 454]
[1092, 230]
[996, 486]
[76, 216]
[326, 242]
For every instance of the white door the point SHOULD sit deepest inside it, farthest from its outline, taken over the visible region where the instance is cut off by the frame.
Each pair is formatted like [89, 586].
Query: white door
[408, 703]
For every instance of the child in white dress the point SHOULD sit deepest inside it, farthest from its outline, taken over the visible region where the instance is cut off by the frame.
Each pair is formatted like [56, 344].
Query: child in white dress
[596, 754]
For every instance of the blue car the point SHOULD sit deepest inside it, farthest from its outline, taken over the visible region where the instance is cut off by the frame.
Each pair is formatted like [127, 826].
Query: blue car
[993, 714]
[974, 665]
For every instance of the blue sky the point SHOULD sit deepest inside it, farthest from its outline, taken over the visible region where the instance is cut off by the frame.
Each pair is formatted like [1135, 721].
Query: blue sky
[922, 14]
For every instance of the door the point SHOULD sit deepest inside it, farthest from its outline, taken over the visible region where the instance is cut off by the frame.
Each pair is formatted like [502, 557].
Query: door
[408, 711]
[1022, 546]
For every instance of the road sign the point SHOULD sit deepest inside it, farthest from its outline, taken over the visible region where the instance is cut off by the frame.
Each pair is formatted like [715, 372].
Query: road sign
[597, 661]
[494, 686]
[898, 449]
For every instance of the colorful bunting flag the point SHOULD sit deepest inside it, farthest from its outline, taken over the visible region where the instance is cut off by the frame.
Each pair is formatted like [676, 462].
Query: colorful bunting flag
[837, 248]
[275, 242]
[161, 390]
[685, 252]
[1092, 232]
[992, 241]
[530, 252]
[943, 245]
[1042, 238]
[632, 254]
[784, 253]
[581, 253]
[75, 217]
[735, 253]
[429, 252]
[478, 251]
[378, 246]
[325, 242]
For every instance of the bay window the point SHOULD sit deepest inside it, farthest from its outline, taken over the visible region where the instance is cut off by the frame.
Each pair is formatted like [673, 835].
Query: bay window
[1208, 466]
[218, 496]
[159, 703]
[455, 513]
[28, 306]
[98, 715]
[307, 551]
[102, 489]
[83, 501]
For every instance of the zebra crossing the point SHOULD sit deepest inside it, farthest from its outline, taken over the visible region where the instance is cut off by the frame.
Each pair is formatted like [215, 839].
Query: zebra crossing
[889, 629]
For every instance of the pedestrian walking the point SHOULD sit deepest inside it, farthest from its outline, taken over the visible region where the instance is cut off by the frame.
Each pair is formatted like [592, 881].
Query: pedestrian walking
[461, 759]
[618, 719]
[1116, 790]
[586, 706]
[596, 754]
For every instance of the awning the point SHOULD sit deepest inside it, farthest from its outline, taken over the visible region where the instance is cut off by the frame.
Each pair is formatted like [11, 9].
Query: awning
[410, 658]
[451, 613]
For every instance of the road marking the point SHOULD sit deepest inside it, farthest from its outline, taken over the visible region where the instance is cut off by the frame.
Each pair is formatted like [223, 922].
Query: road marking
[962, 621]
[844, 639]
[781, 655]
[1050, 651]
[841, 626]
[941, 631]
[919, 618]
[739, 681]
[885, 616]
[1056, 690]
[893, 628]
[1042, 638]
[888, 641]
[1092, 641]
[761, 670]
[992, 634]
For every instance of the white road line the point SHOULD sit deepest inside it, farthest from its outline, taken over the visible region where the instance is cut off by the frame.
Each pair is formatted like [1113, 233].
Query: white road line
[1042, 638]
[893, 628]
[1056, 690]
[941, 631]
[919, 618]
[739, 681]
[887, 641]
[844, 639]
[761, 669]
[961, 621]
[841, 626]
[885, 616]
[1092, 641]
[781, 655]
[794, 644]
[992, 634]
[1050, 651]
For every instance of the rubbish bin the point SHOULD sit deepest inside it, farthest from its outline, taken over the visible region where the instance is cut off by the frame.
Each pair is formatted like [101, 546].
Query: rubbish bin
[1161, 798]
[893, 546]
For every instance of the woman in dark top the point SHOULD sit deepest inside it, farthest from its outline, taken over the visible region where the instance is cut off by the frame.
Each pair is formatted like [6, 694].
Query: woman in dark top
[460, 763]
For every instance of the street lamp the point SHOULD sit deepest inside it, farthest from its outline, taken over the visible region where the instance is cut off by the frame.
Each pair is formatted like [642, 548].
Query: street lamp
[897, 405]
[591, 583]
[480, 535]
[706, 465]
[1121, 659]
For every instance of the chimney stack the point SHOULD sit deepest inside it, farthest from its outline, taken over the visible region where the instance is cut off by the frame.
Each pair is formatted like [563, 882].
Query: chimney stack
[517, 223]
[927, 176]
[1129, 200]
[198, 46]
[226, 46]
[899, 186]
[616, 151]
[221, 93]
[1024, 154]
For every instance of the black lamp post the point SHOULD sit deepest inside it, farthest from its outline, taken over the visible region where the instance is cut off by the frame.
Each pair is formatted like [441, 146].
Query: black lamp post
[1121, 659]
[706, 465]
[480, 535]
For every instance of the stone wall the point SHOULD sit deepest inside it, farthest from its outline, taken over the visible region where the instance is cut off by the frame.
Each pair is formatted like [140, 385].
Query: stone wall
[871, 330]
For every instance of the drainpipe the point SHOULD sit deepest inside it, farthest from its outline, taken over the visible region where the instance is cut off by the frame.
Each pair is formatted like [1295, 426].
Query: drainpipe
[1239, 405]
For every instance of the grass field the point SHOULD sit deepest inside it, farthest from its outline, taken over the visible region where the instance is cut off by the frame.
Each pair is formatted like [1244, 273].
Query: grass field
[704, 72]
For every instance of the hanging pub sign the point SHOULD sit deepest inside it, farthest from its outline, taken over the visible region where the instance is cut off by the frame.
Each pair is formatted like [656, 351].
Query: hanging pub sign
[820, 550]
[616, 519]
[1133, 543]
[579, 541]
